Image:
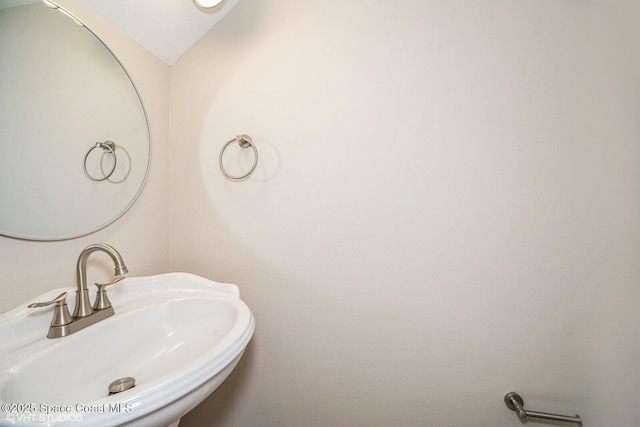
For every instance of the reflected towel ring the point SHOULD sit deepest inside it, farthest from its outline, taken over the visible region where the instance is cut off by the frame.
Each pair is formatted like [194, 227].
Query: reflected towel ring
[244, 141]
[108, 147]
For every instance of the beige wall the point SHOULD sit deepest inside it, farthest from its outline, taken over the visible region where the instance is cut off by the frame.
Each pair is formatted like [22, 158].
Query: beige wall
[142, 234]
[445, 209]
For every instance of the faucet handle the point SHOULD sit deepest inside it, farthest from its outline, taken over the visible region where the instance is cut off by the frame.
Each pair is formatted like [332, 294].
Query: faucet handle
[61, 315]
[59, 298]
[102, 300]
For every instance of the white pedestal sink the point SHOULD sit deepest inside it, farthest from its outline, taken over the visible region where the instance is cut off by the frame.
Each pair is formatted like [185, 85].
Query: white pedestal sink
[178, 335]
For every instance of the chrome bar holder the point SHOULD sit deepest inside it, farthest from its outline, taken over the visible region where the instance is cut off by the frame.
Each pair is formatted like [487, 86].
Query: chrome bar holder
[515, 403]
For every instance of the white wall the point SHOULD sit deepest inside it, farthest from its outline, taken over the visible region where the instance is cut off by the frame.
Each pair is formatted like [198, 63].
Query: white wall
[445, 209]
[141, 235]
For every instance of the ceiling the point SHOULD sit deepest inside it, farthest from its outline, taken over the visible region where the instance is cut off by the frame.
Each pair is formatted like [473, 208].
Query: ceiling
[166, 28]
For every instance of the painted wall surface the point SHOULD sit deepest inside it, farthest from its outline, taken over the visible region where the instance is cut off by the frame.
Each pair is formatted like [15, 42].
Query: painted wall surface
[445, 208]
[141, 235]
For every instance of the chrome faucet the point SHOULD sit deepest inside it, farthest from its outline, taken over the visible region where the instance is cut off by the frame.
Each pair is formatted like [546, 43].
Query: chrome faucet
[84, 315]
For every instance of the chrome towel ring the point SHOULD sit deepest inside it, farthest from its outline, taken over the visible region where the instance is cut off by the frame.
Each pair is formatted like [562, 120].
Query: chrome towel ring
[245, 142]
[107, 147]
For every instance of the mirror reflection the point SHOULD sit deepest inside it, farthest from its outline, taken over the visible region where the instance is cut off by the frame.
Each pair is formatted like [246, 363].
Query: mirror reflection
[74, 137]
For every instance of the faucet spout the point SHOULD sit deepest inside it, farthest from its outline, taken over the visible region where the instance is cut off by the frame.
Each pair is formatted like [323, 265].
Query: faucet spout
[83, 305]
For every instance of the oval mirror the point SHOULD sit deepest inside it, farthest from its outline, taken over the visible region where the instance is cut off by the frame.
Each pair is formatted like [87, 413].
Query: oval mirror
[75, 145]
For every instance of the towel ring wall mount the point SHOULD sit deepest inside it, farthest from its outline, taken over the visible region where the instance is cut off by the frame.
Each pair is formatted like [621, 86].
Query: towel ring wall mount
[244, 141]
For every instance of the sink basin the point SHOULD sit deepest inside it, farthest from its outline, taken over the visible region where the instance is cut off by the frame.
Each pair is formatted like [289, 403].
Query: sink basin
[178, 335]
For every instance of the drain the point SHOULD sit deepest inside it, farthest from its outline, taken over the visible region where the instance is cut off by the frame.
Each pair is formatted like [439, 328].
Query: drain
[121, 384]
